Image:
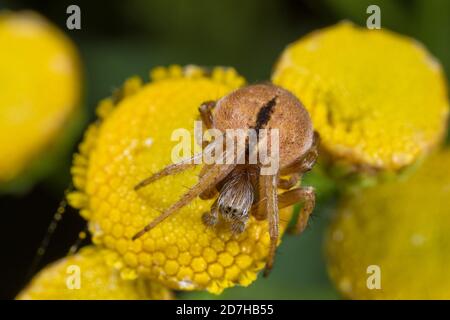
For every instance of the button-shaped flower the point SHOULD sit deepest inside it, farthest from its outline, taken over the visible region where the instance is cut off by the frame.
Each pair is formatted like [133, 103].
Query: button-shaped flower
[40, 86]
[391, 241]
[89, 275]
[377, 99]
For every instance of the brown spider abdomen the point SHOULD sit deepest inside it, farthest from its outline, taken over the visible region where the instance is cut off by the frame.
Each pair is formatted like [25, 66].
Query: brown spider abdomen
[266, 106]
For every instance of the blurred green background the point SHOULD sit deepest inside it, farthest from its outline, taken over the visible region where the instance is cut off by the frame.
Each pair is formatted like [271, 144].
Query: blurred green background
[122, 38]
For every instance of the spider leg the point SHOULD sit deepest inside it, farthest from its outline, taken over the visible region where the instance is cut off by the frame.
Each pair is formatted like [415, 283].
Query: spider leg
[210, 192]
[211, 177]
[174, 168]
[212, 217]
[287, 184]
[305, 195]
[207, 118]
[270, 183]
[259, 210]
[291, 197]
[206, 113]
[167, 171]
[272, 203]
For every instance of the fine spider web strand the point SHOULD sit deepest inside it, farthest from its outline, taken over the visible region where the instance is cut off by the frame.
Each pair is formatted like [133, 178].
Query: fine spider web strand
[42, 249]
[81, 236]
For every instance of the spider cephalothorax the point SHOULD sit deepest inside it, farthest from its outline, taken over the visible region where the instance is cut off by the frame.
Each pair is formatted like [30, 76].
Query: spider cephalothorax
[243, 188]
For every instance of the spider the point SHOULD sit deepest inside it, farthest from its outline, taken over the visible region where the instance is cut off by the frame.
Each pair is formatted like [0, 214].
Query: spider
[241, 190]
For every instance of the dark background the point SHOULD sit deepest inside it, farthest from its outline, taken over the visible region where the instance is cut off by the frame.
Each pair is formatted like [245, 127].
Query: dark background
[122, 38]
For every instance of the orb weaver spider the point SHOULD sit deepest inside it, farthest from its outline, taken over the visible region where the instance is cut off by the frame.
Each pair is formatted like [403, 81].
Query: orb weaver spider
[240, 189]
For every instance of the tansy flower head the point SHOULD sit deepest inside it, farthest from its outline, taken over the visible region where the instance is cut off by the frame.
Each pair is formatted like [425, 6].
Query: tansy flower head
[377, 99]
[401, 230]
[132, 141]
[88, 276]
[39, 88]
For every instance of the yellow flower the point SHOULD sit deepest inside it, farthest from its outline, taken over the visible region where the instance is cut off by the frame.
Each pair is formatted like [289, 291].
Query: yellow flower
[39, 87]
[403, 228]
[97, 280]
[378, 99]
[132, 141]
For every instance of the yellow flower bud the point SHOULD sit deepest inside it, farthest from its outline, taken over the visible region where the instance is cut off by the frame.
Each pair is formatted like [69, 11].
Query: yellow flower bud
[88, 275]
[40, 88]
[377, 99]
[391, 241]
